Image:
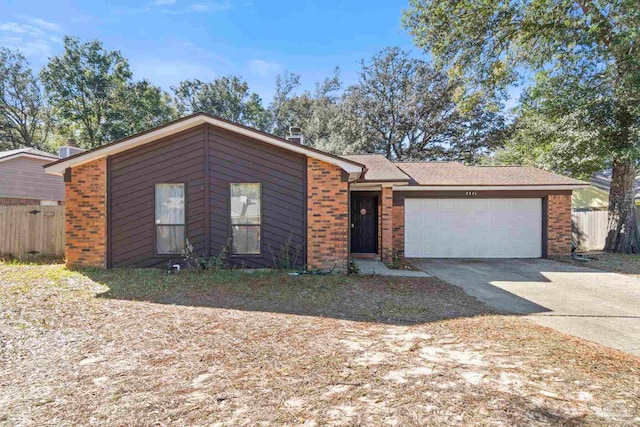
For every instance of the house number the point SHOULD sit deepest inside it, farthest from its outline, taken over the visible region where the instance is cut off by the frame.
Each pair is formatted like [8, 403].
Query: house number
[471, 193]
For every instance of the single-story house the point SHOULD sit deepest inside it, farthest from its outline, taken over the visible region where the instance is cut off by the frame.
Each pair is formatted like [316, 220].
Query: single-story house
[134, 202]
[596, 196]
[24, 182]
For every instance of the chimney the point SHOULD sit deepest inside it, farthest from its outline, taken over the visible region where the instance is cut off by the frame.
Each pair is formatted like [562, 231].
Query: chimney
[69, 149]
[295, 135]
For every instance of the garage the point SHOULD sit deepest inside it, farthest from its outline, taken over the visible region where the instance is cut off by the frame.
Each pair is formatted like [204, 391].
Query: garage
[473, 228]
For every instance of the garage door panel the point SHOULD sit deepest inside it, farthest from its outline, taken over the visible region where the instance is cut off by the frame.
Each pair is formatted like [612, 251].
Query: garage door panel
[473, 228]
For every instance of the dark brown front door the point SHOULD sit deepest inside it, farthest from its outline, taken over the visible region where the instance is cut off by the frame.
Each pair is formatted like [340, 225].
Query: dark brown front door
[364, 224]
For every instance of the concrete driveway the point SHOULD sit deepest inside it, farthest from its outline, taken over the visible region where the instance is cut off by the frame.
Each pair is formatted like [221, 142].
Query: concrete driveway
[590, 304]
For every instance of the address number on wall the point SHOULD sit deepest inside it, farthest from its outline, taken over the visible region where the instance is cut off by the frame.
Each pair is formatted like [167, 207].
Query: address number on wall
[471, 193]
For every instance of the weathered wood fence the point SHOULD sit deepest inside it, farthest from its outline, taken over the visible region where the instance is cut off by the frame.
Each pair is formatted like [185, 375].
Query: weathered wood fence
[31, 230]
[589, 229]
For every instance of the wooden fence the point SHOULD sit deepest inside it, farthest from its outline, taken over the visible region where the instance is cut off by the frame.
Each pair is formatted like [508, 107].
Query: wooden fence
[589, 229]
[31, 230]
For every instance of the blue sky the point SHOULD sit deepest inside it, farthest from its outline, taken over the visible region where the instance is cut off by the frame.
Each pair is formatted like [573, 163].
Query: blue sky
[167, 41]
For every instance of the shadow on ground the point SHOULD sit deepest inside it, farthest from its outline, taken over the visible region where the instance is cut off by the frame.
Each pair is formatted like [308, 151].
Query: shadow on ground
[391, 300]
[487, 279]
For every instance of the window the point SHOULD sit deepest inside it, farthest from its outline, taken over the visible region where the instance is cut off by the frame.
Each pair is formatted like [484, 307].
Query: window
[246, 219]
[169, 219]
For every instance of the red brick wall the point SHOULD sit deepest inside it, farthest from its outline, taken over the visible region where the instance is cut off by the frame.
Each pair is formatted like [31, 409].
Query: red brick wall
[387, 224]
[398, 226]
[10, 201]
[86, 215]
[559, 225]
[327, 216]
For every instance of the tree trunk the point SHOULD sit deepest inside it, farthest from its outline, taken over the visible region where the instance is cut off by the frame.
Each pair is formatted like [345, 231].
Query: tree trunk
[623, 230]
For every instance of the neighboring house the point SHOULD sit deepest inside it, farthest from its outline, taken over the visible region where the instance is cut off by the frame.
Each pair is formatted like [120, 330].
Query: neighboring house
[134, 202]
[596, 197]
[23, 180]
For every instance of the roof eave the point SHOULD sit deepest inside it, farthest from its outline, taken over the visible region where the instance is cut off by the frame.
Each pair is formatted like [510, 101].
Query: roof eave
[58, 167]
[524, 187]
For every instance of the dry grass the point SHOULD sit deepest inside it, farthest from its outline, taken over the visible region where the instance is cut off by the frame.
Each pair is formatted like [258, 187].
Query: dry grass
[608, 261]
[132, 347]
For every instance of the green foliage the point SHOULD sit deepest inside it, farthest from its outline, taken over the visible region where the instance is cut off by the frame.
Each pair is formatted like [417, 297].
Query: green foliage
[283, 259]
[201, 262]
[226, 97]
[143, 106]
[84, 84]
[94, 98]
[408, 110]
[583, 111]
[24, 114]
[320, 114]
[353, 268]
[588, 72]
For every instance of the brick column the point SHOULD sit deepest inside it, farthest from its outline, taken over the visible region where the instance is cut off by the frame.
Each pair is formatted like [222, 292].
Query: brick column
[327, 216]
[559, 225]
[387, 224]
[86, 215]
[398, 225]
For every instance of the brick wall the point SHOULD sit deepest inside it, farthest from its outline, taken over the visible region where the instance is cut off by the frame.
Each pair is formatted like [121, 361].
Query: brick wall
[11, 201]
[86, 213]
[387, 223]
[398, 226]
[559, 225]
[327, 216]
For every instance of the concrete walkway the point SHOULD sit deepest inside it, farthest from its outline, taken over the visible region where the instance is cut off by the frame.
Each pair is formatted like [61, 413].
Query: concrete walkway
[371, 266]
[590, 304]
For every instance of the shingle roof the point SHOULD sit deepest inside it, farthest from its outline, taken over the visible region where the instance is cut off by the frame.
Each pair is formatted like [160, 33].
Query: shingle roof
[32, 151]
[379, 168]
[451, 173]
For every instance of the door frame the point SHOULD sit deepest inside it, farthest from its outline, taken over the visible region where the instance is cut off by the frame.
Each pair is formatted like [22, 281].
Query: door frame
[364, 194]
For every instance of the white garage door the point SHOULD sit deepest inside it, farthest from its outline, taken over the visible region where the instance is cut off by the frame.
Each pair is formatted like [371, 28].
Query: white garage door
[473, 228]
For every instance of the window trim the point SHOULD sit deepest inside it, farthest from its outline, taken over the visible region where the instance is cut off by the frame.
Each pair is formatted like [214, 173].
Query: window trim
[155, 226]
[231, 224]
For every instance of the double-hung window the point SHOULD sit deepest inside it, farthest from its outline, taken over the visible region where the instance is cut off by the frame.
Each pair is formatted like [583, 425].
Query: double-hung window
[246, 218]
[170, 219]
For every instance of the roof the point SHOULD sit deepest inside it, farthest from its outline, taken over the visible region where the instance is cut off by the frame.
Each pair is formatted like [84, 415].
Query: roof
[602, 180]
[26, 152]
[379, 168]
[58, 167]
[457, 174]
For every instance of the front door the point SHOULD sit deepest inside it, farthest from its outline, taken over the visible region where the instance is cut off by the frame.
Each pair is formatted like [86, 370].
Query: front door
[364, 224]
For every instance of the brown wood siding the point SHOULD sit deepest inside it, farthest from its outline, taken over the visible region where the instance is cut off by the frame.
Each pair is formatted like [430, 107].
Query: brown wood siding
[132, 177]
[133, 174]
[235, 159]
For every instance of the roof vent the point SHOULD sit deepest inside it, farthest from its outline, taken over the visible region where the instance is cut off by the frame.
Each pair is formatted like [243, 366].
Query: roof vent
[295, 135]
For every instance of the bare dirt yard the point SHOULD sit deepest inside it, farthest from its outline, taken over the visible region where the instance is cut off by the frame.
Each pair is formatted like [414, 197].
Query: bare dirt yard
[140, 347]
[628, 264]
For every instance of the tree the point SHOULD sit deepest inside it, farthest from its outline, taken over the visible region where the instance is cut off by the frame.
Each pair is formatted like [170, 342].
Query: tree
[585, 55]
[86, 84]
[283, 116]
[408, 111]
[148, 105]
[24, 114]
[226, 97]
[319, 114]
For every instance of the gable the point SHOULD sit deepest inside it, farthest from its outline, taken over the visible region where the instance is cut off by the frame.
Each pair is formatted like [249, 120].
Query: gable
[354, 169]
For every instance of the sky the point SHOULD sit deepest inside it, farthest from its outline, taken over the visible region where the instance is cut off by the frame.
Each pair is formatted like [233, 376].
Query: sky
[167, 41]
